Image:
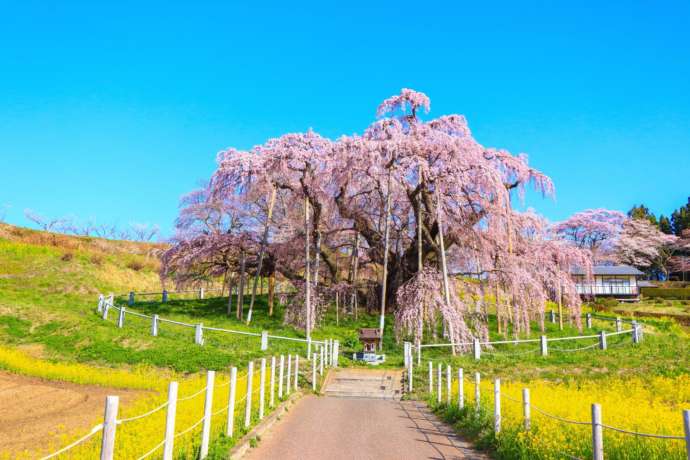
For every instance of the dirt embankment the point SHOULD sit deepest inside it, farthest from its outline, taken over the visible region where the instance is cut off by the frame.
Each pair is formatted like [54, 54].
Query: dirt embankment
[35, 412]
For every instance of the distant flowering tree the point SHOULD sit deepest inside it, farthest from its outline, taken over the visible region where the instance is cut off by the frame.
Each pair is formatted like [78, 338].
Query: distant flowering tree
[643, 245]
[407, 193]
[594, 229]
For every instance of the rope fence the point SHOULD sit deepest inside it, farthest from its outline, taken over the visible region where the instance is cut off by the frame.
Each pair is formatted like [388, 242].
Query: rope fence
[487, 347]
[441, 379]
[108, 303]
[281, 375]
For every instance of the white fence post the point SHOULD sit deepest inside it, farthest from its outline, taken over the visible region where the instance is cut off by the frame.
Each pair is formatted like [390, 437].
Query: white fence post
[477, 399]
[164, 296]
[431, 378]
[288, 376]
[121, 318]
[597, 433]
[101, 300]
[106, 307]
[552, 316]
[461, 389]
[154, 325]
[199, 334]
[201, 292]
[230, 426]
[313, 372]
[419, 354]
[686, 429]
[248, 401]
[296, 376]
[409, 375]
[281, 370]
[544, 346]
[170, 422]
[262, 385]
[497, 406]
[208, 408]
[264, 340]
[602, 340]
[589, 320]
[130, 302]
[635, 332]
[323, 351]
[272, 384]
[336, 353]
[439, 387]
[619, 324]
[477, 349]
[109, 426]
[449, 382]
[406, 354]
[526, 409]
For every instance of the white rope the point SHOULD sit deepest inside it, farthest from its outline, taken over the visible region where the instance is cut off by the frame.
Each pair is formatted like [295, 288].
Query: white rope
[231, 331]
[176, 322]
[192, 395]
[137, 417]
[561, 419]
[579, 337]
[158, 446]
[190, 428]
[646, 435]
[574, 349]
[502, 353]
[93, 431]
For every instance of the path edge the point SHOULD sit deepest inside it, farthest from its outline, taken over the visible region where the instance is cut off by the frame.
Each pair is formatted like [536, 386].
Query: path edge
[243, 445]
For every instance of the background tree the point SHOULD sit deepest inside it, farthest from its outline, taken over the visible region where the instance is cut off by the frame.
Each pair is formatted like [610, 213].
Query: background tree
[594, 230]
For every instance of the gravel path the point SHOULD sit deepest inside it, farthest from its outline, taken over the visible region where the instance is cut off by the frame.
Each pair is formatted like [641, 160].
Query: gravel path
[354, 428]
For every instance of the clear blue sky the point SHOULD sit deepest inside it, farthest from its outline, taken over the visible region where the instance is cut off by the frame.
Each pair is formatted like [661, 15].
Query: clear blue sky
[111, 112]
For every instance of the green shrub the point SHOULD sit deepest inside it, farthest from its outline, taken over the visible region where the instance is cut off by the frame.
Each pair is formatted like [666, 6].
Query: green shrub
[667, 293]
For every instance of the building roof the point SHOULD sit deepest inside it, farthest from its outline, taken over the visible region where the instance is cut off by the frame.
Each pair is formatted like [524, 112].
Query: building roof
[609, 270]
[369, 333]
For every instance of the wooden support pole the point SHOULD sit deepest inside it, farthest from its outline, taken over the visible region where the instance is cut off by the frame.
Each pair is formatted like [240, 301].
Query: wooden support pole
[170, 422]
[384, 280]
[262, 250]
